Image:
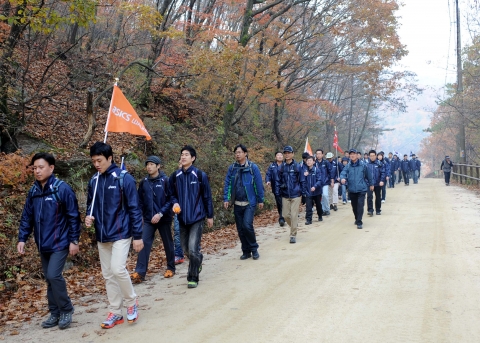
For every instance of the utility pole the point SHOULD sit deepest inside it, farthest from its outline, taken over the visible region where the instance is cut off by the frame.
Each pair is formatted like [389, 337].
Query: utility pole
[461, 133]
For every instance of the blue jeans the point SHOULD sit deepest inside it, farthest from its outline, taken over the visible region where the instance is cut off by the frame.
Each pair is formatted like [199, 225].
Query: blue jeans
[57, 296]
[190, 238]
[246, 232]
[415, 176]
[148, 236]
[344, 193]
[176, 237]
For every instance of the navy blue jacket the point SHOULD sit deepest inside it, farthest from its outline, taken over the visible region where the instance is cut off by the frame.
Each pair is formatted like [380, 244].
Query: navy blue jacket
[333, 171]
[326, 171]
[117, 212]
[388, 166]
[252, 182]
[419, 164]
[394, 165]
[377, 169]
[358, 177]
[195, 199]
[312, 179]
[270, 174]
[405, 165]
[154, 197]
[55, 224]
[413, 164]
[291, 177]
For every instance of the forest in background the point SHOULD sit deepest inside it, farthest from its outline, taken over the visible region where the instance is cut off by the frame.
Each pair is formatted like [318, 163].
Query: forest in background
[210, 73]
[458, 109]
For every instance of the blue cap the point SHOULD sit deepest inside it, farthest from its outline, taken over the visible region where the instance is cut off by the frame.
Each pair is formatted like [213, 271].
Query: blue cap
[153, 159]
[352, 150]
[288, 148]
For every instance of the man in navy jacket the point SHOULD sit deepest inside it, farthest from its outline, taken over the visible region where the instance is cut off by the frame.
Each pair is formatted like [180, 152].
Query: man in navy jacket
[113, 196]
[377, 170]
[312, 190]
[51, 213]
[289, 184]
[270, 181]
[405, 168]
[359, 181]
[154, 201]
[192, 195]
[244, 188]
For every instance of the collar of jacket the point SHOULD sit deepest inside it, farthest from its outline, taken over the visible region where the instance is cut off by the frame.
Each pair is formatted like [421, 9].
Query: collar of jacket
[158, 177]
[355, 164]
[49, 182]
[289, 164]
[189, 170]
[238, 165]
[110, 169]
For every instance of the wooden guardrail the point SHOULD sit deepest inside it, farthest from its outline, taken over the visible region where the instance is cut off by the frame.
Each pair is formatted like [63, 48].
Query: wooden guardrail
[463, 172]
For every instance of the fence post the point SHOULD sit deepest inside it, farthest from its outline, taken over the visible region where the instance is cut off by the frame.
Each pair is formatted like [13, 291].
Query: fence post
[478, 176]
[471, 172]
[461, 173]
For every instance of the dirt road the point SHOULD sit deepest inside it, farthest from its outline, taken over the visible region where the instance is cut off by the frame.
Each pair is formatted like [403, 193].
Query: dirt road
[411, 275]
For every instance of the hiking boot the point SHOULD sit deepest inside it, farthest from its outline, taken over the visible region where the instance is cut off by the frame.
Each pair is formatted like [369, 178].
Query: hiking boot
[308, 222]
[246, 255]
[360, 226]
[112, 320]
[281, 221]
[370, 214]
[255, 255]
[50, 322]
[331, 206]
[179, 259]
[378, 213]
[132, 313]
[293, 239]
[320, 219]
[335, 207]
[65, 320]
[137, 278]
[168, 274]
[192, 284]
[326, 213]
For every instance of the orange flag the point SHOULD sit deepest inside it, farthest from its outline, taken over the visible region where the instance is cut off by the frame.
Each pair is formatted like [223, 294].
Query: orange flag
[123, 118]
[308, 148]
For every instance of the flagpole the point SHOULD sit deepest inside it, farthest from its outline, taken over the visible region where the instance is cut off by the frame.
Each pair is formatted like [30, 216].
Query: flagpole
[104, 141]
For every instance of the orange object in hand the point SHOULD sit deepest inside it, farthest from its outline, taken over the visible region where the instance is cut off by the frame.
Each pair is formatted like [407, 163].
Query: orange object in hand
[176, 209]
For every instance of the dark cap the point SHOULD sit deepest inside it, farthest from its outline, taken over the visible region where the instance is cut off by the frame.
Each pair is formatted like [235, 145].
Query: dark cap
[447, 157]
[352, 151]
[344, 159]
[153, 159]
[288, 148]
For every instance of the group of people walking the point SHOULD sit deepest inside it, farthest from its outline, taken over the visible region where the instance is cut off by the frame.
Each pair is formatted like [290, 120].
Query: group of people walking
[123, 215]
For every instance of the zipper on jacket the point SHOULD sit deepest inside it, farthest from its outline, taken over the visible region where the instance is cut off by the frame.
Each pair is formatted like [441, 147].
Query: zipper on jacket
[39, 226]
[103, 197]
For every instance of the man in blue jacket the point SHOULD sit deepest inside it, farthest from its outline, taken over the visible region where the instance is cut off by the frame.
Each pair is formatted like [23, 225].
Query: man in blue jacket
[154, 201]
[359, 181]
[244, 188]
[51, 213]
[312, 190]
[327, 180]
[405, 168]
[113, 206]
[386, 163]
[415, 168]
[270, 181]
[377, 170]
[393, 170]
[191, 193]
[289, 184]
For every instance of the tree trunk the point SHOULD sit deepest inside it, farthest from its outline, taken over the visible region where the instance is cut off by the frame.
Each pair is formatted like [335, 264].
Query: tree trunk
[365, 121]
[92, 124]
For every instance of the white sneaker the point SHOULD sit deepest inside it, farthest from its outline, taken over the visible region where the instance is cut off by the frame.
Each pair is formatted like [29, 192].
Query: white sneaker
[383, 201]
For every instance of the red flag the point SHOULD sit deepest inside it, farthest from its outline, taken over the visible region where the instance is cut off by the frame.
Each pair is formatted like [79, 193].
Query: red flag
[123, 118]
[335, 143]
